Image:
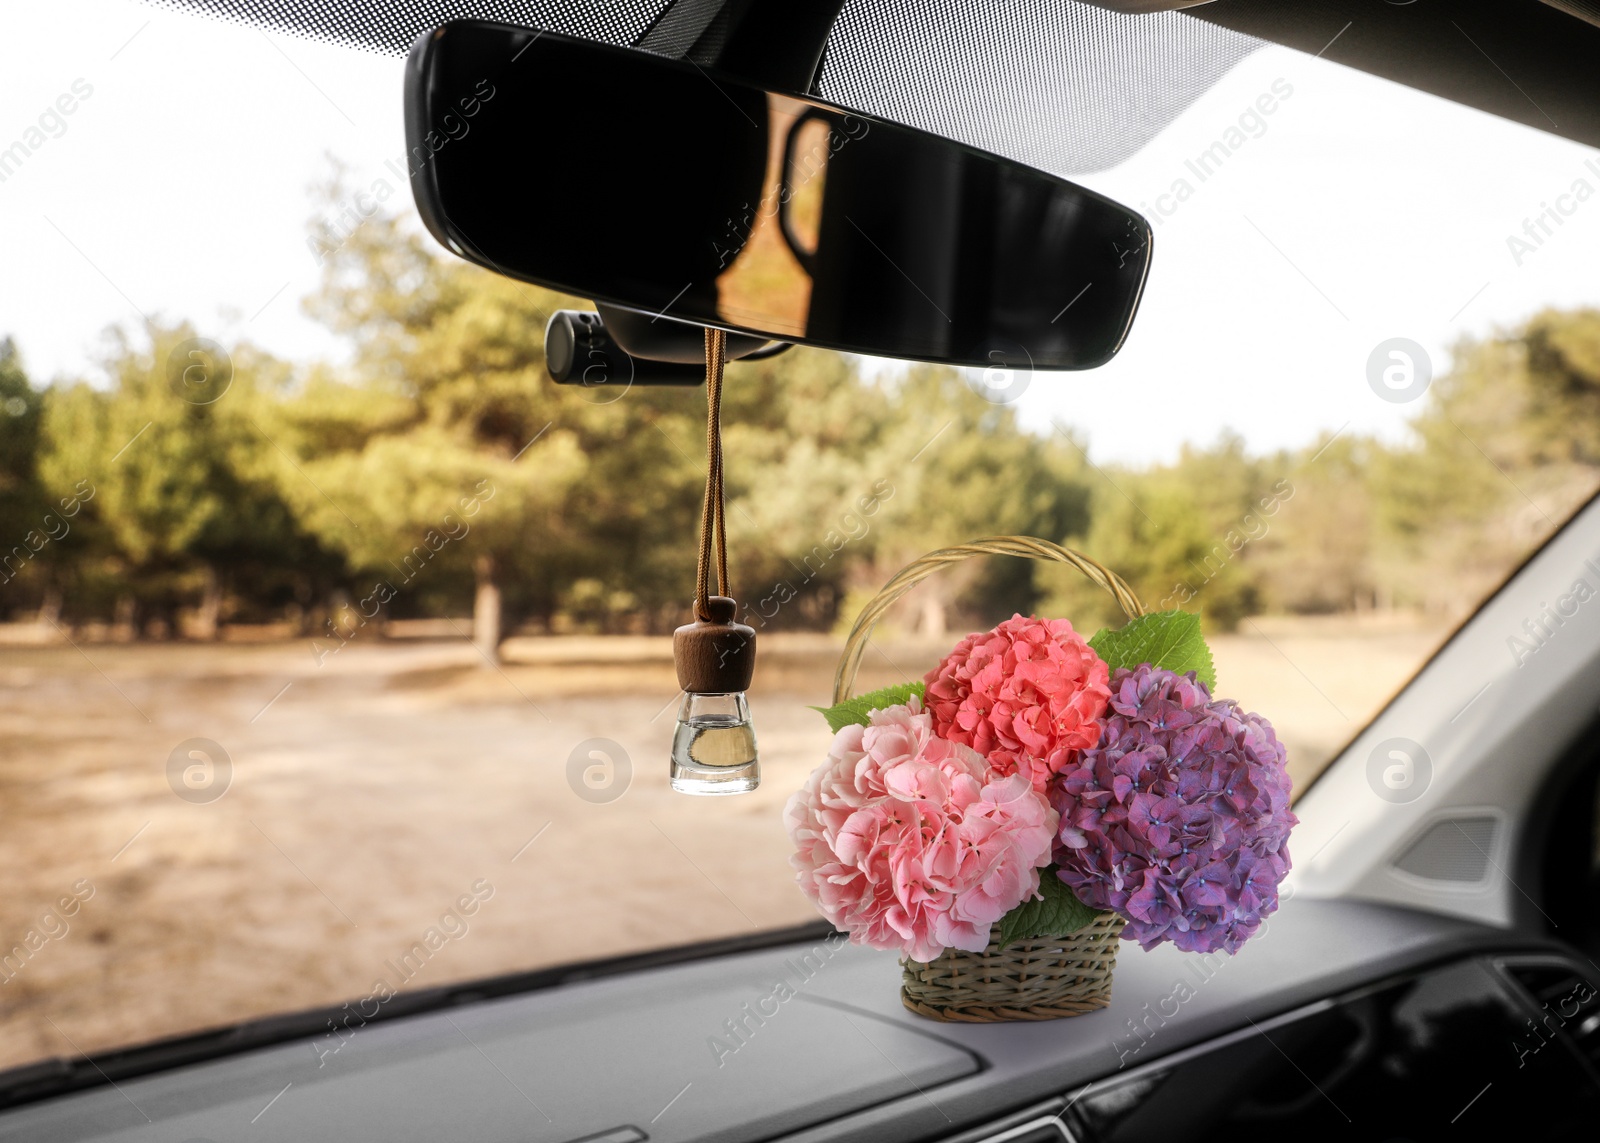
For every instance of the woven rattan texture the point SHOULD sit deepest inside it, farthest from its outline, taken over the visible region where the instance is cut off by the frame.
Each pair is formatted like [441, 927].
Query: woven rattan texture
[1028, 547]
[1025, 980]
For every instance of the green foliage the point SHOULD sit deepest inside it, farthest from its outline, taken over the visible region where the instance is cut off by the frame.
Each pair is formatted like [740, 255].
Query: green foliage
[1056, 912]
[1561, 363]
[438, 458]
[961, 467]
[1179, 534]
[1169, 639]
[1506, 447]
[1315, 548]
[178, 501]
[173, 482]
[857, 711]
[23, 501]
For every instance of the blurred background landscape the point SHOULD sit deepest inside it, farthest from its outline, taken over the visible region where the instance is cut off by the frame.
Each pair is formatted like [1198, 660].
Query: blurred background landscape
[404, 590]
[438, 475]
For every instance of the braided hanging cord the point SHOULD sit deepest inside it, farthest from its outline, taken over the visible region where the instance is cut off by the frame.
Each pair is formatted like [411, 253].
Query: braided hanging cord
[713, 528]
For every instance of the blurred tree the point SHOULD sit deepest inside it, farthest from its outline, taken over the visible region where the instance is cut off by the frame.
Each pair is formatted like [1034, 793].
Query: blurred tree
[1562, 363]
[179, 490]
[31, 527]
[1180, 534]
[1316, 550]
[806, 478]
[463, 462]
[1505, 448]
[438, 464]
[962, 468]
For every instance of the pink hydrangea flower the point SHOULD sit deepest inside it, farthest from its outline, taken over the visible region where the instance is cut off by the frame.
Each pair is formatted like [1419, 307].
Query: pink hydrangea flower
[906, 841]
[1028, 696]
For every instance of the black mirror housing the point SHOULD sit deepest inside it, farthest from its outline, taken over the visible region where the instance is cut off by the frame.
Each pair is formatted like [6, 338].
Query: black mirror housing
[656, 185]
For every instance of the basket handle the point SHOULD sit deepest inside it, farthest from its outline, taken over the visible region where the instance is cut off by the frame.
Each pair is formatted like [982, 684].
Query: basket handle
[1029, 547]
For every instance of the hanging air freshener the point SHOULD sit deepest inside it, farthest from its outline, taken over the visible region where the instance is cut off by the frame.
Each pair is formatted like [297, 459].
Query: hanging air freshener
[714, 745]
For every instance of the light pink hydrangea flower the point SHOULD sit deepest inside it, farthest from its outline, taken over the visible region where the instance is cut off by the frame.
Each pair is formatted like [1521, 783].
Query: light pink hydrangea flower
[1028, 696]
[905, 839]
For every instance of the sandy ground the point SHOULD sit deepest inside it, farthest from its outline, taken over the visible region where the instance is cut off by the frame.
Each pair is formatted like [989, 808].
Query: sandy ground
[372, 791]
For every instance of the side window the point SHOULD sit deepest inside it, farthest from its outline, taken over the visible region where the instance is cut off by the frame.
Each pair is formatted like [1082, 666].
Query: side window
[1452, 1053]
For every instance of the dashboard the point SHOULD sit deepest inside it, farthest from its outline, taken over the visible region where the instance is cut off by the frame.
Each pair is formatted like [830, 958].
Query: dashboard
[1343, 1020]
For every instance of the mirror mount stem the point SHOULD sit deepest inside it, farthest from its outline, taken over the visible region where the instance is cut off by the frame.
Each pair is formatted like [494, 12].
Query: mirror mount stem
[773, 45]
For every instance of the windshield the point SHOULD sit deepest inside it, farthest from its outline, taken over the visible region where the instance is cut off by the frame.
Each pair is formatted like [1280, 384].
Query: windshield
[335, 637]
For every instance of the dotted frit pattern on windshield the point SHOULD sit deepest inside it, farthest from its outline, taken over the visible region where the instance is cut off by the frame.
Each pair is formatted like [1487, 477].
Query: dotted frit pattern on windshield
[1064, 87]
[390, 26]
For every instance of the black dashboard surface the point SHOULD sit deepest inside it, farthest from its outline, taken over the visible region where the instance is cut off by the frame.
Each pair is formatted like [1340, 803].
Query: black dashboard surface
[807, 1042]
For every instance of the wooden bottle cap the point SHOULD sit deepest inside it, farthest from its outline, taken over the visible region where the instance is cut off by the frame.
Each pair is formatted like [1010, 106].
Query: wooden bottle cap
[715, 656]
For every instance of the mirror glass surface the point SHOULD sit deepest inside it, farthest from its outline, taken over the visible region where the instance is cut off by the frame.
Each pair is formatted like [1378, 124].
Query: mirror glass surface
[655, 184]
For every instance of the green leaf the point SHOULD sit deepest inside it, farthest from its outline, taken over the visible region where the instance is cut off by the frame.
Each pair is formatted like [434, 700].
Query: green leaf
[1169, 639]
[857, 711]
[1056, 913]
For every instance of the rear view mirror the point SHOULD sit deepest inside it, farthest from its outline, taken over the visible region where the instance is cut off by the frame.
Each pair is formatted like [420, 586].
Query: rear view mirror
[659, 186]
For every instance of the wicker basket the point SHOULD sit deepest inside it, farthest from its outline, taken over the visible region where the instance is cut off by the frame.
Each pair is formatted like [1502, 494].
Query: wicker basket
[1026, 980]
[1038, 979]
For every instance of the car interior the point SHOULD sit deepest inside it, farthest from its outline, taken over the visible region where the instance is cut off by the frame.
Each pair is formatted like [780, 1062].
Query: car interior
[1432, 973]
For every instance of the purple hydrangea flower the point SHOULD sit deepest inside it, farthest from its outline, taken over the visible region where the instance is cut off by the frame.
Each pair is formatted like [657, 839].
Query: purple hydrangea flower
[1178, 819]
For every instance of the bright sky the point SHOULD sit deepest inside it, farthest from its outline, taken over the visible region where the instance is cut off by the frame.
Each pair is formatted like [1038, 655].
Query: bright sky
[179, 186]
